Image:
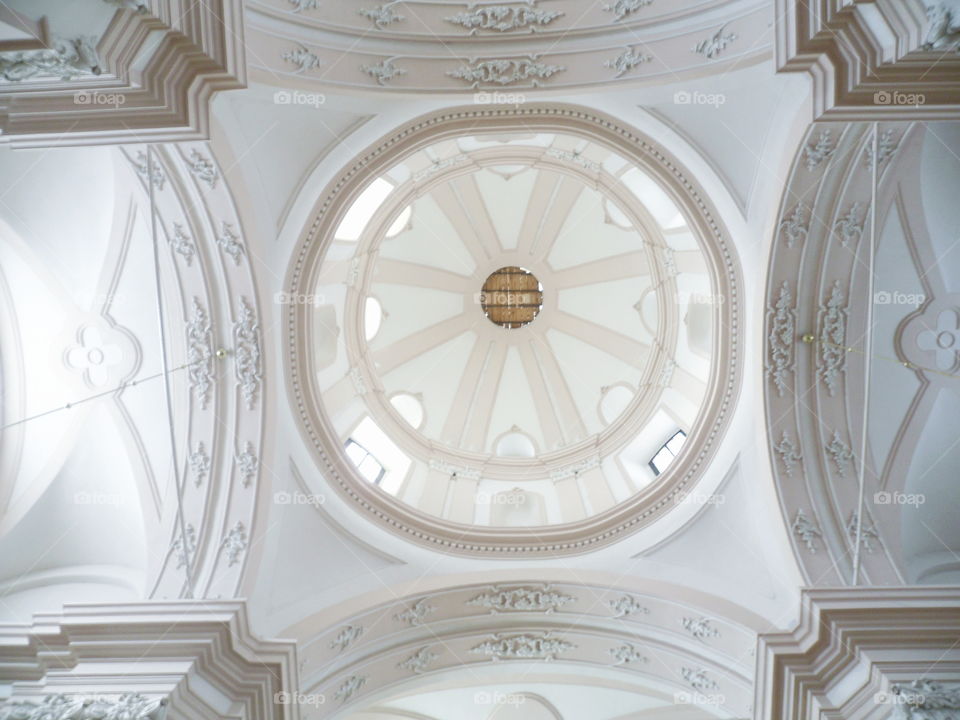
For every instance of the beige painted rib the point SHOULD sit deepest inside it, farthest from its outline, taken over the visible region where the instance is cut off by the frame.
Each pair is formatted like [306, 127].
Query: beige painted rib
[540, 198]
[449, 203]
[423, 341]
[569, 416]
[553, 435]
[456, 420]
[473, 202]
[478, 420]
[399, 272]
[562, 203]
[617, 267]
[633, 352]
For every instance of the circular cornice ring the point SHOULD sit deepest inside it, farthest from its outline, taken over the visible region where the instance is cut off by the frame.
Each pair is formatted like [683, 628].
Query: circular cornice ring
[634, 513]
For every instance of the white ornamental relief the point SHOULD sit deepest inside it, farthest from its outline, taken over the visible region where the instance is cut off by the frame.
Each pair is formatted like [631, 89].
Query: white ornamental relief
[200, 354]
[504, 18]
[925, 700]
[203, 169]
[419, 662]
[786, 449]
[460, 471]
[128, 706]
[868, 531]
[440, 165]
[533, 646]
[346, 637]
[795, 226]
[149, 170]
[572, 156]
[247, 464]
[383, 71]
[816, 153]
[229, 242]
[303, 58]
[65, 60]
[356, 379]
[627, 61]
[301, 5]
[199, 462]
[381, 15]
[623, 9]
[700, 628]
[782, 320]
[839, 452]
[943, 32]
[886, 146]
[234, 543]
[182, 244]
[505, 71]
[247, 354]
[415, 614]
[184, 546]
[715, 44]
[521, 599]
[575, 469]
[627, 605]
[626, 654]
[698, 679]
[350, 687]
[807, 530]
[849, 228]
[833, 334]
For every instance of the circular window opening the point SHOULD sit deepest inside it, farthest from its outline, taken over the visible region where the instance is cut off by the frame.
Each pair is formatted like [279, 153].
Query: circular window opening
[511, 297]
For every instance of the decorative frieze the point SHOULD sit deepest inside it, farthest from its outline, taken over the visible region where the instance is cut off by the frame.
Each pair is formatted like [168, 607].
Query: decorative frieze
[229, 242]
[247, 464]
[795, 226]
[182, 244]
[868, 531]
[505, 71]
[786, 449]
[149, 172]
[700, 628]
[524, 646]
[199, 464]
[504, 18]
[66, 60]
[303, 58]
[521, 599]
[627, 61]
[301, 5]
[816, 153]
[358, 382]
[926, 700]
[849, 228]
[575, 469]
[200, 354]
[572, 156]
[626, 654]
[203, 169]
[833, 332]
[782, 320]
[627, 605]
[807, 530]
[184, 546]
[381, 15]
[886, 146]
[247, 354]
[346, 637]
[839, 452]
[419, 662]
[623, 9]
[234, 543]
[128, 706]
[415, 614]
[440, 165]
[350, 687]
[698, 679]
[715, 44]
[383, 71]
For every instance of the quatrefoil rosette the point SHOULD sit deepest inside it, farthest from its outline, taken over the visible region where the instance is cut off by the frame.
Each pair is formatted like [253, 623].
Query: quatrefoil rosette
[930, 337]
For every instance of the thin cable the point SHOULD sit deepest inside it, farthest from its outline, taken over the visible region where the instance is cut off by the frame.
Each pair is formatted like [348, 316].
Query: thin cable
[868, 341]
[188, 561]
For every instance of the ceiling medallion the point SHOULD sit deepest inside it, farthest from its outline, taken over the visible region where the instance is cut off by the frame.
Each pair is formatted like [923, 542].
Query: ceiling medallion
[511, 297]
